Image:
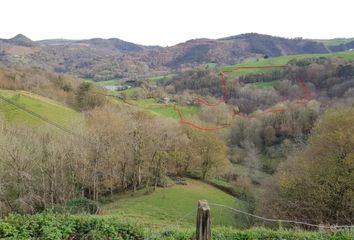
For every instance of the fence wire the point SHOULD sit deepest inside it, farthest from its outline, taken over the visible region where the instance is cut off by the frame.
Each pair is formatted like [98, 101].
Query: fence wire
[172, 226]
[280, 220]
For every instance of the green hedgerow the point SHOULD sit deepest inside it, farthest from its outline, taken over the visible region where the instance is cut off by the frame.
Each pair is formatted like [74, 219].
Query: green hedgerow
[51, 226]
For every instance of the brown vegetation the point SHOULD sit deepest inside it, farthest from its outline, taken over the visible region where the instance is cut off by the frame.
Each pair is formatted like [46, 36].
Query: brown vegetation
[114, 150]
[316, 185]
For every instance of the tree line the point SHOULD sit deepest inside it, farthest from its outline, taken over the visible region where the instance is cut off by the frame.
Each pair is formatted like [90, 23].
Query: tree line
[113, 150]
[77, 94]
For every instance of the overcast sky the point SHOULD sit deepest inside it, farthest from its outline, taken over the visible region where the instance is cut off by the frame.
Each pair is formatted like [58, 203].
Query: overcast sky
[167, 22]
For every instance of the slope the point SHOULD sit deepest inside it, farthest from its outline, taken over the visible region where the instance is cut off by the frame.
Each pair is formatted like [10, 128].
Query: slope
[42, 106]
[167, 205]
[105, 59]
[282, 60]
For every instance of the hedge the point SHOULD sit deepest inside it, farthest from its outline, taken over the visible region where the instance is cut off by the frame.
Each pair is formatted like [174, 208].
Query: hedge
[52, 226]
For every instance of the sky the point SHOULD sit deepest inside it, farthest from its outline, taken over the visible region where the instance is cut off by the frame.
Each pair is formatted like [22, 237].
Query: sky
[168, 22]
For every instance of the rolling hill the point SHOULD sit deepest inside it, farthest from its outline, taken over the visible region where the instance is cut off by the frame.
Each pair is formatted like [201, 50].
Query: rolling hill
[106, 59]
[334, 41]
[282, 60]
[338, 44]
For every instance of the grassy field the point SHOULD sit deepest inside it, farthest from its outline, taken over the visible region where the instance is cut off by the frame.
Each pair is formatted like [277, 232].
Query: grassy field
[187, 111]
[112, 82]
[266, 85]
[45, 107]
[129, 92]
[161, 77]
[334, 41]
[167, 205]
[282, 60]
[165, 110]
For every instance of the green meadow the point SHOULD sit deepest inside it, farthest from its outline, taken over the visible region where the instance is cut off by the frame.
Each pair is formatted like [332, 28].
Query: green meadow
[42, 106]
[165, 206]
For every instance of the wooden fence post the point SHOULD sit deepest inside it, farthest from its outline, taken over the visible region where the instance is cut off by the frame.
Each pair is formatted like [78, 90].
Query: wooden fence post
[203, 221]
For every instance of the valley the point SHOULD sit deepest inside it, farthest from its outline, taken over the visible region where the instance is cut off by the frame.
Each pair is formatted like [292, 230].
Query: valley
[75, 150]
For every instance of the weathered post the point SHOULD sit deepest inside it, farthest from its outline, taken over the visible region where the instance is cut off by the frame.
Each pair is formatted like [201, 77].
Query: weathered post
[203, 221]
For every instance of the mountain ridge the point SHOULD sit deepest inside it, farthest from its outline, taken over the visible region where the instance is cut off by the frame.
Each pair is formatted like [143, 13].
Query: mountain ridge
[103, 59]
[54, 41]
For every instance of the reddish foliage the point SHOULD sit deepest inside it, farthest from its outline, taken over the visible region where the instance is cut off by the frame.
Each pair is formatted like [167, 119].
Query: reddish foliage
[306, 91]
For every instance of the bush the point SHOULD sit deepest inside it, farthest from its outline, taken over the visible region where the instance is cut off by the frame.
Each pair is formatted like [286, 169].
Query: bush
[55, 226]
[105, 200]
[232, 189]
[75, 206]
[259, 234]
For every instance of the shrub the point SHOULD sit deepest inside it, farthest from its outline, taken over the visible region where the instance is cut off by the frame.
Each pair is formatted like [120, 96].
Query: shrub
[259, 234]
[55, 226]
[75, 206]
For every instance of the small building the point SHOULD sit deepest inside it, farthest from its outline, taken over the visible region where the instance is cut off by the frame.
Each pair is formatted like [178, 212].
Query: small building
[166, 100]
[117, 88]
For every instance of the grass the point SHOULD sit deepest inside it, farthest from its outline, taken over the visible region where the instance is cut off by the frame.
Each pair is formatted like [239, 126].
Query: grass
[165, 110]
[155, 79]
[45, 107]
[111, 82]
[165, 206]
[260, 233]
[58, 226]
[131, 91]
[211, 65]
[187, 111]
[282, 60]
[266, 85]
[334, 41]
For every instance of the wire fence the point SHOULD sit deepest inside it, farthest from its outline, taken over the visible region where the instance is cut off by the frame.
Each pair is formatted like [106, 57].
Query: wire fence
[281, 220]
[36, 115]
[174, 225]
[43, 119]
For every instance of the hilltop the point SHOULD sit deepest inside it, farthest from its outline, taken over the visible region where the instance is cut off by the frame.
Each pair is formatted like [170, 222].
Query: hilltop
[21, 40]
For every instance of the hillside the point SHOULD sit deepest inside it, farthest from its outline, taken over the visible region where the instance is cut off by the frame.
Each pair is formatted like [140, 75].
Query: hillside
[167, 205]
[42, 106]
[21, 40]
[282, 60]
[124, 153]
[105, 59]
[338, 44]
[334, 41]
[236, 48]
[164, 110]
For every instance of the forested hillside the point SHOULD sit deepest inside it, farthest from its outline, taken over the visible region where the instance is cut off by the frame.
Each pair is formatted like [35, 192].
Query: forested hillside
[105, 59]
[266, 140]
